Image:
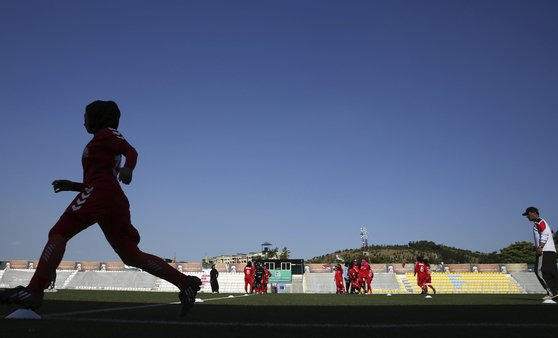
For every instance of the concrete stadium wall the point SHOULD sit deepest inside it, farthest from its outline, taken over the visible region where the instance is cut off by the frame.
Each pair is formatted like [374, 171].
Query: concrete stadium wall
[67, 265]
[516, 267]
[401, 268]
[486, 267]
[458, 267]
[90, 266]
[379, 268]
[318, 268]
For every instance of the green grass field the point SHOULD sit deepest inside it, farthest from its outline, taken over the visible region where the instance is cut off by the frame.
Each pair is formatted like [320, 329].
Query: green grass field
[81, 314]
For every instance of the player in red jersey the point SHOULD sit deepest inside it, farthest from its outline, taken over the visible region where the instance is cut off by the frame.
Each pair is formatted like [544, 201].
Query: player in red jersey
[366, 274]
[420, 272]
[362, 274]
[100, 199]
[353, 276]
[428, 281]
[338, 278]
[265, 279]
[249, 273]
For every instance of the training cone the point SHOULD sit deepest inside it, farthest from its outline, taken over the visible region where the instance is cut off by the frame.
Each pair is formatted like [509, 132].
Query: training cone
[389, 295]
[428, 296]
[23, 314]
[231, 296]
[549, 301]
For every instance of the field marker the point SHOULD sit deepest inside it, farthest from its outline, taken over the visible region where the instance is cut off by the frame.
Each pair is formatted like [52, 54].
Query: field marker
[23, 314]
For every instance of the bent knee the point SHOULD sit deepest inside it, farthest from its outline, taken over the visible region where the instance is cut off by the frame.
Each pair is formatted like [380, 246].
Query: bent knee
[129, 255]
[56, 235]
[67, 227]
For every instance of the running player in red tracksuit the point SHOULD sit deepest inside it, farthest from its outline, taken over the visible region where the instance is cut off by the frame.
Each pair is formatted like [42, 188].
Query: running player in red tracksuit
[100, 200]
[428, 281]
[420, 272]
[249, 273]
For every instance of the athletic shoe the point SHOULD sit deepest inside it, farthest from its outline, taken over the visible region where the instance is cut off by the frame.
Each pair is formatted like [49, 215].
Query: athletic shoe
[188, 295]
[547, 297]
[21, 296]
[549, 301]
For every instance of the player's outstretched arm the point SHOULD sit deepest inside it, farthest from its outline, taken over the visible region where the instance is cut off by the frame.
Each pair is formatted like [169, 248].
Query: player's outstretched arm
[66, 185]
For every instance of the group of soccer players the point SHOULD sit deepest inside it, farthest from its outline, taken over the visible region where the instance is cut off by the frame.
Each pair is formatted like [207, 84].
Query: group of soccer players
[357, 278]
[354, 277]
[256, 278]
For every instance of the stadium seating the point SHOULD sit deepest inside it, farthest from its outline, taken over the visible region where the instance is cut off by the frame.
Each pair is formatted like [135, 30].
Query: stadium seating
[229, 282]
[14, 277]
[528, 281]
[470, 282]
[322, 282]
[387, 283]
[113, 280]
[1, 274]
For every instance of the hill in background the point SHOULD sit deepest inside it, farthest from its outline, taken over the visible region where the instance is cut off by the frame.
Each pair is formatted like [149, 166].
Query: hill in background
[519, 252]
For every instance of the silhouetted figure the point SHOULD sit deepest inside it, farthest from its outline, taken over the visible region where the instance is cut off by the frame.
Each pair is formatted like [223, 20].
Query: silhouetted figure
[100, 200]
[213, 275]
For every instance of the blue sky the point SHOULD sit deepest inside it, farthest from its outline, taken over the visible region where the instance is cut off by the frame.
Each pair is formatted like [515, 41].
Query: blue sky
[292, 122]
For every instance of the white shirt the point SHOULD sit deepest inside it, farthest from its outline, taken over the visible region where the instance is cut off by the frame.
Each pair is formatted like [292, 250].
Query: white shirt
[543, 234]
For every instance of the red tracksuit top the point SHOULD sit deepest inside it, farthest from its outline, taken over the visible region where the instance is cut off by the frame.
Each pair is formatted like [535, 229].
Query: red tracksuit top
[339, 276]
[420, 269]
[101, 159]
[249, 272]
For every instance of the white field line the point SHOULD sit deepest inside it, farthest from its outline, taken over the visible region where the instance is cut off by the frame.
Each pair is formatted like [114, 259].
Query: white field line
[318, 325]
[84, 312]
[135, 307]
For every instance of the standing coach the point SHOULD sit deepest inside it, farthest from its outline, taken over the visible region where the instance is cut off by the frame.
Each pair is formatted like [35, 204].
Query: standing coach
[545, 262]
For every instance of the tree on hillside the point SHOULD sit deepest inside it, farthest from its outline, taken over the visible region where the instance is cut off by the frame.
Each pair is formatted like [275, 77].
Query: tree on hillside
[491, 258]
[273, 253]
[424, 246]
[518, 252]
[285, 253]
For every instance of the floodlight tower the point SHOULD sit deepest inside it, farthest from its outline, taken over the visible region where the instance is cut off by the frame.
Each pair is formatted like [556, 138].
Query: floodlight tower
[364, 237]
